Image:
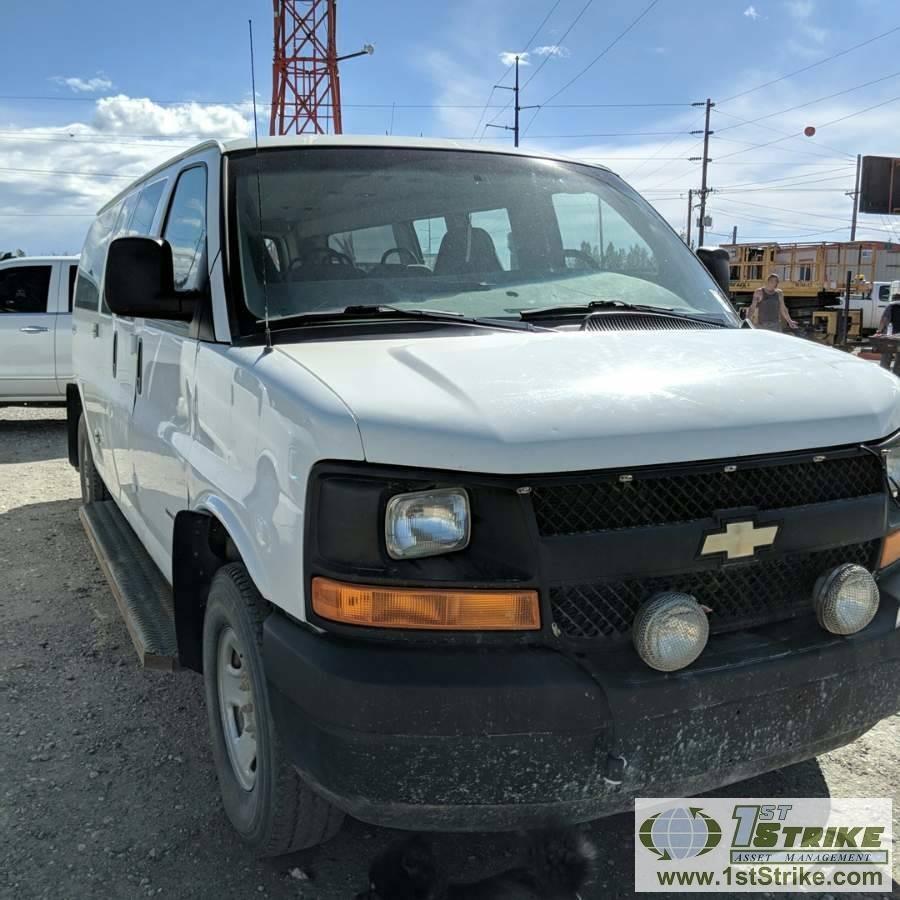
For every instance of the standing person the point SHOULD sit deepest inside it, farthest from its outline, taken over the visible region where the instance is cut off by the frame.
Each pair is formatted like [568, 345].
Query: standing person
[767, 310]
[890, 326]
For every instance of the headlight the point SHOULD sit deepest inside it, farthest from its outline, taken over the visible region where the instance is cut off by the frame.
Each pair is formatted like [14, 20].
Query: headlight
[427, 523]
[892, 463]
[846, 599]
[670, 631]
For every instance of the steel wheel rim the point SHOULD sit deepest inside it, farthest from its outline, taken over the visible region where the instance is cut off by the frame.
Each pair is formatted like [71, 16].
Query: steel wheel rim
[236, 708]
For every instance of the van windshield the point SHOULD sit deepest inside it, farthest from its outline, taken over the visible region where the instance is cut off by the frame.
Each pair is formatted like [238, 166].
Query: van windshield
[480, 234]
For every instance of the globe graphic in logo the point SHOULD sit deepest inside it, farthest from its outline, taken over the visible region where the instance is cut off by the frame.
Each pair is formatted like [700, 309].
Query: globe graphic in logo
[680, 833]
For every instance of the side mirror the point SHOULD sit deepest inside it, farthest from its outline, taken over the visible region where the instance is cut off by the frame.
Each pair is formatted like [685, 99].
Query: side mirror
[140, 281]
[716, 261]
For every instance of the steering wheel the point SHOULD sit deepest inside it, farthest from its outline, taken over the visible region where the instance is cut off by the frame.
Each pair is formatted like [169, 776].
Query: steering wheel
[580, 255]
[401, 252]
[321, 256]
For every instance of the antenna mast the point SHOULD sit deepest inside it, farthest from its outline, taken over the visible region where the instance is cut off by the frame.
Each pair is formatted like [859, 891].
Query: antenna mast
[262, 243]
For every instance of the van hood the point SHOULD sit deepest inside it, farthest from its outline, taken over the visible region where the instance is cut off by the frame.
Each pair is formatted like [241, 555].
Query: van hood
[510, 402]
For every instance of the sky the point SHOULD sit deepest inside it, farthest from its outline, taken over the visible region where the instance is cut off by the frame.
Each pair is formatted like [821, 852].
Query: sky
[105, 94]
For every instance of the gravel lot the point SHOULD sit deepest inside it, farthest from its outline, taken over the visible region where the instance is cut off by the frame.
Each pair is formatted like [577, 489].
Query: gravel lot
[107, 786]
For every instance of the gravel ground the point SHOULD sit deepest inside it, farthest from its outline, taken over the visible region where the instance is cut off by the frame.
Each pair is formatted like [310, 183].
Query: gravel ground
[107, 786]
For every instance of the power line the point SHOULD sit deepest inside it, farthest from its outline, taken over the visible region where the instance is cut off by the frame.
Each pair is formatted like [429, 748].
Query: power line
[812, 65]
[782, 209]
[106, 142]
[823, 125]
[690, 152]
[781, 112]
[236, 103]
[538, 137]
[597, 58]
[662, 149]
[88, 215]
[66, 172]
[545, 60]
[509, 67]
[792, 179]
[805, 152]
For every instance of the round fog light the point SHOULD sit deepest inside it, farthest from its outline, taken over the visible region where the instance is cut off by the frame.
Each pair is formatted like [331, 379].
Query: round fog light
[846, 599]
[670, 631]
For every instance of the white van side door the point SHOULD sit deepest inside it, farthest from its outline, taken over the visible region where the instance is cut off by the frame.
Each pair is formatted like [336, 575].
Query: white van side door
[27, 323]
[160, 426]
[92, 343]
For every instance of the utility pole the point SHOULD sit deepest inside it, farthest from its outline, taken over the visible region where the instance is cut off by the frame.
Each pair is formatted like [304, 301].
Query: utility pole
[855, 198]
[734, 234]
[690, 215]
[516, 107]
[704, 189]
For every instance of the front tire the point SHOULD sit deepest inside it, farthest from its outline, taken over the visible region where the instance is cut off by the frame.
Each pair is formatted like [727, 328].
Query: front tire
[93, 490]
[267, 802]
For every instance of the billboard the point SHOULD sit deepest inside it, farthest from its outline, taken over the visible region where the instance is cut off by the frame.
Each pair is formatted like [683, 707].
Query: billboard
[879, 187]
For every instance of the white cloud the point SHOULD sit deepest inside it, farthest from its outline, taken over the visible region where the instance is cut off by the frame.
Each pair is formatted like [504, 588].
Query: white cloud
[553, 50]
[138, 115]
[55, 178]
[751, 13]
[84, 85]
[508, 57]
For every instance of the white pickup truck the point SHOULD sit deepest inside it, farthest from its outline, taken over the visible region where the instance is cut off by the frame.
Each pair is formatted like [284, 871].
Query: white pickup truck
[456, 475]
[873, 304]
[36, 328]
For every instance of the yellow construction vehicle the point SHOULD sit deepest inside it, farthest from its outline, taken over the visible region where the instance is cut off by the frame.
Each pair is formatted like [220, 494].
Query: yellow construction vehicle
[811, 275]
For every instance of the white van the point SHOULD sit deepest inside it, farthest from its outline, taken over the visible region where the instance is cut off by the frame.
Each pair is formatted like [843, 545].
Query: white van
[36, 329]
[458, 478]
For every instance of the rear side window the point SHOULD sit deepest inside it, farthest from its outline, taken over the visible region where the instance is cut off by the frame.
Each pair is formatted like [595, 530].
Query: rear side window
[366, 245]
[73, 272]
[23, 289]
[186, 230]
[142, 221]
[93, 259]
[496, 223]
[595, 234]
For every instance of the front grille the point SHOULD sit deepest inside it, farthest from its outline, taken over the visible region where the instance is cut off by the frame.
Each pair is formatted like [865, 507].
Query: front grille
[600, 504]
[739, 596]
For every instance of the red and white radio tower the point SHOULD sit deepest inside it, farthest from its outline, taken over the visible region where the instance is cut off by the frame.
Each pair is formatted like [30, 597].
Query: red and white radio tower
[306, 88]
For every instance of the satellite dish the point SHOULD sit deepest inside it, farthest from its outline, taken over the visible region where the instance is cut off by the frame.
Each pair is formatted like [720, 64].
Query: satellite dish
[809, 131]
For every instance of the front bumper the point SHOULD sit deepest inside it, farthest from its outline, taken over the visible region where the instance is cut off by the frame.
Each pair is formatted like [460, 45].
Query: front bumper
[495, 739]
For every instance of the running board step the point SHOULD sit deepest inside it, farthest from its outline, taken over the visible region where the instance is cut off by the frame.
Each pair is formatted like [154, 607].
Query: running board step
[142, 594]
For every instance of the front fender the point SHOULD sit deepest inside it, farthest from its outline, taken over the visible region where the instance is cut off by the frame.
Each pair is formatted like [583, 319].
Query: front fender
[243, 540]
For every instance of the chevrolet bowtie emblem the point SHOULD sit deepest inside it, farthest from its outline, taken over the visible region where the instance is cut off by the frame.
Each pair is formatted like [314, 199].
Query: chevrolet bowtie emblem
[739, 539]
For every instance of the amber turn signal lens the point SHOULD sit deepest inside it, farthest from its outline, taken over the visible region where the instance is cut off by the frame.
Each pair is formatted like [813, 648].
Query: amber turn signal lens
[890, 550]
[445, 610]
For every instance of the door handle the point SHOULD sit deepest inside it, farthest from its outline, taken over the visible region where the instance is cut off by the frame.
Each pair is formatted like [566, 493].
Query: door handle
[34, 329]
[95, 329]
[115, 352]
[139, 373]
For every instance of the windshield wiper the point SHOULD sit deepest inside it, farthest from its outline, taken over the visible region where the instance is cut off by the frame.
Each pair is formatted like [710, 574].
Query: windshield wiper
[384, 311]
[585, 309]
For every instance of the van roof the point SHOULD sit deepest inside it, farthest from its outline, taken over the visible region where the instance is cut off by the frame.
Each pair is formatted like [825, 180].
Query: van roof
[343, 140]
